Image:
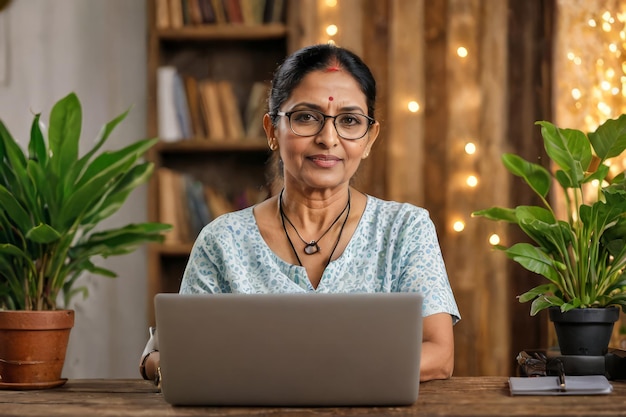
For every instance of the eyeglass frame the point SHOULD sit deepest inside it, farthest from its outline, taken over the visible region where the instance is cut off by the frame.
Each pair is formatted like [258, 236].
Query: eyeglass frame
[370, 122]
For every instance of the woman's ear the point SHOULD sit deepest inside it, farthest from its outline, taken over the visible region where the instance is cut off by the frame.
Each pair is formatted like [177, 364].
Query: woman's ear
[372, 135]
[268, 126]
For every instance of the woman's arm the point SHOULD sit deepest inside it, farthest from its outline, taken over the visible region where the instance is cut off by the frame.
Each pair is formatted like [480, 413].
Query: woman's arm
[150, 358]
[437, 347]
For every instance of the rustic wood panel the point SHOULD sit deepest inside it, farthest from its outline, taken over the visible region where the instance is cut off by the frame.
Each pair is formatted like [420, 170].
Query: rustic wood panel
[531, 27]
[492, 98]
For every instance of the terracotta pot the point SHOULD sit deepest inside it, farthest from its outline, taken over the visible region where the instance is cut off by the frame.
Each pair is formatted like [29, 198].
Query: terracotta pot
[32, 348]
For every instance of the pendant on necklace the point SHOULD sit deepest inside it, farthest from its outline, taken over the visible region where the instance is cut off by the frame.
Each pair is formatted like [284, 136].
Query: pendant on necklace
[311, 248]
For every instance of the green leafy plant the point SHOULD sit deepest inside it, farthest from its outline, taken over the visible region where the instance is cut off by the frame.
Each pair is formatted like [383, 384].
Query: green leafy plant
[52, 200]
[582, 257]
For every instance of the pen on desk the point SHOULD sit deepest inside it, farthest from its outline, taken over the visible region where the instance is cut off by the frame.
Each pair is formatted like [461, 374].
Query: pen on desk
[561, 376]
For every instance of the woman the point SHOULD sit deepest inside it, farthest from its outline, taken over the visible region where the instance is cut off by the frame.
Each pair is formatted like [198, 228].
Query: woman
[318, 234]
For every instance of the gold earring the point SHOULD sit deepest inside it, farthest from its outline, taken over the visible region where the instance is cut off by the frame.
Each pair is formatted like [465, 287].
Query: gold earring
[365, 155]
[272, 144]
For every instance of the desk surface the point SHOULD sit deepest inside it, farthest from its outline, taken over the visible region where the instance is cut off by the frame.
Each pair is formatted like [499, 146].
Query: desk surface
[459, 396]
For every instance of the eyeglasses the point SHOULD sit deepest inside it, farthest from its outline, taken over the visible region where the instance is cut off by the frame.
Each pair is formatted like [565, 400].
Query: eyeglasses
[349, 126]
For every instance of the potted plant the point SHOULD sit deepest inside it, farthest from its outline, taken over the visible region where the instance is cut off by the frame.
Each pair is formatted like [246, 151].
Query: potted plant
[51, 203]
[582, 255]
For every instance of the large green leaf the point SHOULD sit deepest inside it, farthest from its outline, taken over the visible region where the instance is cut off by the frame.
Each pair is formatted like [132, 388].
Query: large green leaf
[533, 259]
[14, 210]
[497, 213]
[64, 134]
[609, 139]
[536, 176]
[568, 148]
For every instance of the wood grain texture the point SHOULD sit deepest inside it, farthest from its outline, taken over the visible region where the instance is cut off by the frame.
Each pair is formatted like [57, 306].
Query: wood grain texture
[469, 396]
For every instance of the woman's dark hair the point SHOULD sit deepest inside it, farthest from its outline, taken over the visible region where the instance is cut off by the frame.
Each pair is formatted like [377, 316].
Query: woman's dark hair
[319, 57]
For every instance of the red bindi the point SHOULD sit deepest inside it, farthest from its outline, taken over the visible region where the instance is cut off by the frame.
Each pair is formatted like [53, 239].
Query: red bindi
[330, 98]
[332, 68]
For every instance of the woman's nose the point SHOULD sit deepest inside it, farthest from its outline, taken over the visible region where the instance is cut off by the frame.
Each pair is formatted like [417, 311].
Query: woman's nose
[328, 135]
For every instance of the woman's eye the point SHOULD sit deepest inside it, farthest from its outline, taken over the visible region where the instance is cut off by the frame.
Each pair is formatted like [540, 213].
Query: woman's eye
[304, 117]
[349, 120]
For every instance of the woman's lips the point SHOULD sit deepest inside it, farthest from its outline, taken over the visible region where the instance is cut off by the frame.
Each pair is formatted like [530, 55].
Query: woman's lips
[325, 161]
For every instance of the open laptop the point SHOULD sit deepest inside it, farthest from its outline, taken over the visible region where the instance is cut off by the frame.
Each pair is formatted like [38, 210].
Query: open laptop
[290, 349]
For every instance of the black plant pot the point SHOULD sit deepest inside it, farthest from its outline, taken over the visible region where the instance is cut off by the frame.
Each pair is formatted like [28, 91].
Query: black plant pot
[584, 331]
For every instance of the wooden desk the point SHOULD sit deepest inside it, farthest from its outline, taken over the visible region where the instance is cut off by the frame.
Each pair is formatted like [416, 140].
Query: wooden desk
[462, 396]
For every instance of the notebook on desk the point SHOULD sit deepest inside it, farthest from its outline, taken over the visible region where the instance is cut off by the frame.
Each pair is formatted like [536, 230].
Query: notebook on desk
[289, 349]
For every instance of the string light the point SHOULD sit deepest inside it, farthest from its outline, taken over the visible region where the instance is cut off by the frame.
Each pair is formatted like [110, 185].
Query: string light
[461, 51]
[331, 30]
[494, 239]
[458, 226]
[413, 106]
[470, 148]
[471, 181]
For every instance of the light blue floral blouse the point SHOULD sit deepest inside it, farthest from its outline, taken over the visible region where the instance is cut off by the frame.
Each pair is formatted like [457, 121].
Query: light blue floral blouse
[394, 249]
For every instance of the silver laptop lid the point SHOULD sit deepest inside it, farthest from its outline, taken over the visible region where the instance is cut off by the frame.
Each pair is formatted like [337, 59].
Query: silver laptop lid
[290, 349]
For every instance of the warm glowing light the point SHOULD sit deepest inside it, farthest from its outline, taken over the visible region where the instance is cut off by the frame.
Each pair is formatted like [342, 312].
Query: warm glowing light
[331, 30]
[331, 42]
[605, 85]
[461, 51]
[592, 23]
[577, 60]
[606, 26]
[576, 93]
[470, 148]
[331, 3]
[494, 239]
[413, 106]
[471, 181]
[571, 56]
[458, 226]
[613, 47]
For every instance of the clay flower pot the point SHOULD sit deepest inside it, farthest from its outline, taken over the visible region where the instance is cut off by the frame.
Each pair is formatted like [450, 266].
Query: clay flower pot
[32, 348]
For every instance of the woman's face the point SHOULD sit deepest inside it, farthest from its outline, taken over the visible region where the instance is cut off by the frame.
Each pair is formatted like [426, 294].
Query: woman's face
[323, 161]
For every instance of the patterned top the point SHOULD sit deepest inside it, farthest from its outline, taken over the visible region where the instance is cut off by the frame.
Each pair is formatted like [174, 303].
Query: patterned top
[394, 249]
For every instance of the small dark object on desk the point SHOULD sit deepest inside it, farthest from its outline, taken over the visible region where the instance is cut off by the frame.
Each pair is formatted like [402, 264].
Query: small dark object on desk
[540, 363]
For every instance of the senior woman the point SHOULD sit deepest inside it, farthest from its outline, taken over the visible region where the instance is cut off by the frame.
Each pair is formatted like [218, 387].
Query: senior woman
[318, 233]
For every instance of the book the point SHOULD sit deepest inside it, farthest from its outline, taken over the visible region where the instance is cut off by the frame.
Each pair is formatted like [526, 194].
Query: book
[208, 15]
[195, 108]
[230, 111]
[168, 124]
[181, 104]
[217, 202]
[176, 14]
[219, 12]
[551, 385]
[195, 12]
[216, 130]
[233, 11]
[162, 14]
[166, 203]
[255, 109]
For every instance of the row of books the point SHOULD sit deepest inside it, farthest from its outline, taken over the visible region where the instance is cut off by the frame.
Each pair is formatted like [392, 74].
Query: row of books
[192, 108]
[174, 14]
[188, 204]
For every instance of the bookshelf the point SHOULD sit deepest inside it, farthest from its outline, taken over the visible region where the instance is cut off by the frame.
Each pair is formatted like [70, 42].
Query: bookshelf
[201, 170]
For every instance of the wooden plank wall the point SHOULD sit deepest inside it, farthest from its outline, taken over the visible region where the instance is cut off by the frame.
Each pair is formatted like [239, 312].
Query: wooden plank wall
[411, 46]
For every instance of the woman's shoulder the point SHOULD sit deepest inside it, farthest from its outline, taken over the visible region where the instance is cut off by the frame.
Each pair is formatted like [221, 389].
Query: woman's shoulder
[379, 208]
[234, 221]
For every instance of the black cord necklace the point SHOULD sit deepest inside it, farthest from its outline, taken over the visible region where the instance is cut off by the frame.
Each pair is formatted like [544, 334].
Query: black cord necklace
[312, 247]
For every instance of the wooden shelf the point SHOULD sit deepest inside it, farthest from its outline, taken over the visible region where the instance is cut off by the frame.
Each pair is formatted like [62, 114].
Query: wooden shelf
[224, 32]
[202, 145]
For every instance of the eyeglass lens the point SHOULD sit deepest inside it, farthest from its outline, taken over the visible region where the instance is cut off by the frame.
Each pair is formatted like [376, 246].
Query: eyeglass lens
[310, 123]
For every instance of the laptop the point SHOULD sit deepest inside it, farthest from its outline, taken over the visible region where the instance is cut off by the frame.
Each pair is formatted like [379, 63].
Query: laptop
[289, 349]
